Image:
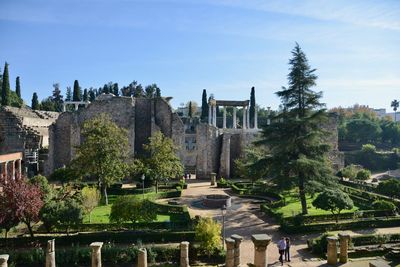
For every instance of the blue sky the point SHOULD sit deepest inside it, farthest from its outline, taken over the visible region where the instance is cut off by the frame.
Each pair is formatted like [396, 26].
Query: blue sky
[223, 46]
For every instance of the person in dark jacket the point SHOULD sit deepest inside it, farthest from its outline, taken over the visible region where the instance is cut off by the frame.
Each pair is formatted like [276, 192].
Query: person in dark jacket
[287, 249]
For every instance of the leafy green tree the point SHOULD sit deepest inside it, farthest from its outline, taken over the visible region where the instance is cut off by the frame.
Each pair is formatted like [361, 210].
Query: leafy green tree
[63, 175]
[150, 90]
[252, 106]
[389, 188]
[246, 167]
[5, 88]
[384, 205]
[368, 148]
[76, 96]
[47, 104]
[90, 200]
[50, 214]
[68, 94]
[297, 147]
[133, 209]
[103, 153]
[363, 130]
[204, 105]
[42, 182]
[395, 105]
[162, 161]
[71, 213]
[350, 171]
[35, 102]
[208, 234]
[18, 87]
[363, 175]
[57, 98]
[390, 132]
[334, 201]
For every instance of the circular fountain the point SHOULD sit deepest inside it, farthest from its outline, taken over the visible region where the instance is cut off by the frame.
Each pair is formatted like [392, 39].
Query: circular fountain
[217, 201]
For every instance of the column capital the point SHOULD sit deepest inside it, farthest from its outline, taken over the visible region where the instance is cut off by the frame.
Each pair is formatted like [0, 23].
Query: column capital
[261, 240]
[237, 238]
[96, 245]
[344, 236]
[230, 243]
[4, 258]
[332, 239]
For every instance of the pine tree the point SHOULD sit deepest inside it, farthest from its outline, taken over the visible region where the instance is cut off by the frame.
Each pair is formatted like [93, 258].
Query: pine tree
[252, 106]
[35, 102]
[57, 98]
[68, 94]
[106, 89]
[77, 92]
[18, 87]
[92, 95]
[5, 87]
[158, 92]
[204, 105]
[297, 150]
[85, 95]
[115, 89]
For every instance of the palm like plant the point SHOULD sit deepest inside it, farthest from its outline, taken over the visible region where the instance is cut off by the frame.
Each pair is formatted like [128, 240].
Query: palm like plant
[395, 105]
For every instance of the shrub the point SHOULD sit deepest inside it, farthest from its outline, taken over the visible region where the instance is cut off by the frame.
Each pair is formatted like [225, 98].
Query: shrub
[350, 171]
[363, 174]
[130, 208]
[390, 188]
[90, 199]
[208, 234]
[333, 200]
[368, 148]
[384, 205]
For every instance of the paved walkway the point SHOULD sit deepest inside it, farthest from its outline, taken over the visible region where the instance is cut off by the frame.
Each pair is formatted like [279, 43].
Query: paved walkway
[244, 218]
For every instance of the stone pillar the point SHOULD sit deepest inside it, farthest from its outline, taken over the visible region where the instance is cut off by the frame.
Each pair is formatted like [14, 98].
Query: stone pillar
[12, 169]
[4, 169]
[224, 119]
[96, 253]
[4, 260]
[248, 118]
[76, 106]
[238, 239]
[261, 242]
[142, 257]
[213, 178]
[234, 118]
[215, 115]
[51, 254]
[332, 250]
[209, 114]
[64, 107]
[255, 118]
[184, 254]
[230, 252]
[244, 118]
[344, 246]
[20, 168]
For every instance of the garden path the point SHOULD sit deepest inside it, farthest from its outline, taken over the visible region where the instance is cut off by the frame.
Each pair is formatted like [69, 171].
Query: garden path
[245, 218]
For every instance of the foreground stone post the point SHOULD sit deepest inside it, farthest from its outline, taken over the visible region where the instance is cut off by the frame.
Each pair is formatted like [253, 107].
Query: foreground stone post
[4, 260]
[230, 252]
[213, 178]
[96, 253]
[344, 247]
[332, 250]
[260, 249]
[184, 254]
[142, 257]
[238, 239]
[51, 254]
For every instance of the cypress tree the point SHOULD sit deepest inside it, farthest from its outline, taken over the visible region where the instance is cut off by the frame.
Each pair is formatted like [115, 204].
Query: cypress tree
[5, 87]
[92, 95]
[158, 92]
[77, 92]
[57, 98]
[252, 106]
[68, 94]
[190, 110]
[115, 89]
[18, 87]
[85, 95]
[35, 102]
[204, 105]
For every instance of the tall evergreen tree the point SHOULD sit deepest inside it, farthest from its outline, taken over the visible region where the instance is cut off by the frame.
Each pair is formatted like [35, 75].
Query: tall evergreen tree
[68, 94]
[18, 87]
[85, 95]
[158, 92]
[35, 102]
[57, 98]
[106, 90]
[252, 106]
[115, 89]
[5, 87]
[76, 96]
[92, 95]
[190, 109]
[297, 150]
[204, 105]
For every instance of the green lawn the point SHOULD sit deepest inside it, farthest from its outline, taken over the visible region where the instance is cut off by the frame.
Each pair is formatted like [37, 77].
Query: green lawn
[293, 206]
[101, 215]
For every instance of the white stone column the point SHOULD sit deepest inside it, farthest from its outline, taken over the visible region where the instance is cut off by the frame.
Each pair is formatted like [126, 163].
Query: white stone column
[209, 114]
[142, 257]
[224, 119]
[344, 246]
[51, 254]
[255, 118]
[4, 260]
[64, 107]
[76, 106]
[4, 170]
[230, 252]
[248, 118]
[215, 115]
[234, 118]
[96, 253]
[332, 250]
[244, 118]
[184, 262]
[261, 242]
[12, 169]
[238, 239]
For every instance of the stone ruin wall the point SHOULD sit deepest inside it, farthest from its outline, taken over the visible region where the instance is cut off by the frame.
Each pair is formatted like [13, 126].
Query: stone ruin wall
[141, 117]
[24, 128]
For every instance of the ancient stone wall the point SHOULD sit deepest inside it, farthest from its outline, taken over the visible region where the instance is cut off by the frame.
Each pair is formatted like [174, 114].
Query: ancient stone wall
[208, 149]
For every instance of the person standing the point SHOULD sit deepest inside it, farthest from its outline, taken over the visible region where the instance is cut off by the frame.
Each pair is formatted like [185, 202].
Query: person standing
[281, 248]
[287, 249]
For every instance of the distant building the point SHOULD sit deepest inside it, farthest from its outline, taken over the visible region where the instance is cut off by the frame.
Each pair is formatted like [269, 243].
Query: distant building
[381, 113]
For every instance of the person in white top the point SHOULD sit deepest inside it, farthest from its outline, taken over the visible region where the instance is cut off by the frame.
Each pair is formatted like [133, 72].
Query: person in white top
[281, 247]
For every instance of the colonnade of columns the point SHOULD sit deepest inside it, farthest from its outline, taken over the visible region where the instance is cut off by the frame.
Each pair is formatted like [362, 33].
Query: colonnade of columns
[75, 104]
[11, 166]
[212, 117]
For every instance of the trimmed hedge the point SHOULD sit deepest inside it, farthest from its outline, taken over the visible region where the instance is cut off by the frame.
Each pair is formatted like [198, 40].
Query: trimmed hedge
[123, 237]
